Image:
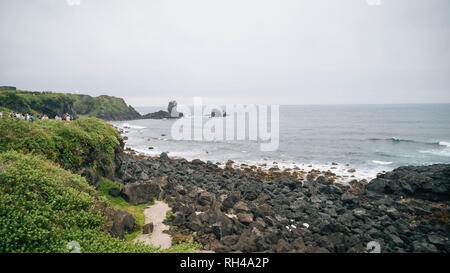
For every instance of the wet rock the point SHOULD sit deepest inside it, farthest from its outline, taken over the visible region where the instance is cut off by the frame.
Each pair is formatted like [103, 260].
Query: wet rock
[164, 156]
[322, 179]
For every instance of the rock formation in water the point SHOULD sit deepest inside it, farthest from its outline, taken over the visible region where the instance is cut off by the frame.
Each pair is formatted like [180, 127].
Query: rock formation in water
[171, 113]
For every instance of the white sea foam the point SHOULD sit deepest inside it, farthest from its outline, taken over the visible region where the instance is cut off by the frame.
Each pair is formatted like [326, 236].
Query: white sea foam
[126, 125]
[444, 152]
[379, 162]
[440, 152]
[444, 143]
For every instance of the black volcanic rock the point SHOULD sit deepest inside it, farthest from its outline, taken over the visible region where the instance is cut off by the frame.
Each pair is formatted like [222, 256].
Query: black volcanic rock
[233, 211]
[123, 223]
[424, 182]
[157, 115]
[140, 192]
[170, 113]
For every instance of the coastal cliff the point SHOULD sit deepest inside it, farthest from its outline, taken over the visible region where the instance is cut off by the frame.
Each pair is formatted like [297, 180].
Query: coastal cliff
[52, 104]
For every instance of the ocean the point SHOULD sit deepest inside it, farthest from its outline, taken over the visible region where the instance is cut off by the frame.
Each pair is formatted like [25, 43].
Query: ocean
[367, 138]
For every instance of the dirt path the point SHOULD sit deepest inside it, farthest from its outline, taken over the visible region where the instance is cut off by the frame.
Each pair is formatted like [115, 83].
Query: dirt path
[156, 214]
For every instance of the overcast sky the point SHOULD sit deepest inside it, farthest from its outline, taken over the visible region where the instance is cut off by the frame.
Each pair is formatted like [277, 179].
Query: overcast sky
[230, 51]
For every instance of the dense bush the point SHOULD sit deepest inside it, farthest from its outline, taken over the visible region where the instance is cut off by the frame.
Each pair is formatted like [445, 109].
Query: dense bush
[86, 142]
[104, 107]
[43, 208]
[37, 103]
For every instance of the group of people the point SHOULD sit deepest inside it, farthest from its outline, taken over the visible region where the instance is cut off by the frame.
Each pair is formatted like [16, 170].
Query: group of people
[66, 117]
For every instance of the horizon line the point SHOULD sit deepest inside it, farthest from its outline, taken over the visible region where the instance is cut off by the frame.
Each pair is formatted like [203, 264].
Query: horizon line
[314, 104]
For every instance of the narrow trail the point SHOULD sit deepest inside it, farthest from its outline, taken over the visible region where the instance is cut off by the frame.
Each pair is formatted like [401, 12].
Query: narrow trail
[156, 214]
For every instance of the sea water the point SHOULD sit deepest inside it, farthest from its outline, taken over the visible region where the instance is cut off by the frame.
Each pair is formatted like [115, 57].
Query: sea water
[368, 138]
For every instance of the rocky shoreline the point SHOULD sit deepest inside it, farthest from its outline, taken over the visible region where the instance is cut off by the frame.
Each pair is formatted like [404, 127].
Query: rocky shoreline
[247, 209]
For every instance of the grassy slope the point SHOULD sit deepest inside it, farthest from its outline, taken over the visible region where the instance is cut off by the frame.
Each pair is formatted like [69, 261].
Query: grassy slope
[42, 206]
[36, 102]
[83, 142]
[105, 107]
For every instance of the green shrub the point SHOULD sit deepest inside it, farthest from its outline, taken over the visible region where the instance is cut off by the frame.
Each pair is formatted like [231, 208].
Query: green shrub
[43, 208]
[86, 142]
[36, 102]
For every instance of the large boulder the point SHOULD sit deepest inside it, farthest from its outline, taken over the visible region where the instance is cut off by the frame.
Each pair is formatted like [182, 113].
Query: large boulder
[231, 199]
[118, 222]
[164, 156]
[123, 222]
[147, 228]
[424, 182]
[142, 192]
[206, 198]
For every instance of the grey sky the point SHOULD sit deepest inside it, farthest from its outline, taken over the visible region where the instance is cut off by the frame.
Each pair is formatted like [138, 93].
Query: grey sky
[230, 51]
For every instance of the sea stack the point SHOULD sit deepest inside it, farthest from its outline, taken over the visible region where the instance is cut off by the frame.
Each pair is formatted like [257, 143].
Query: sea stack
[172, 109]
